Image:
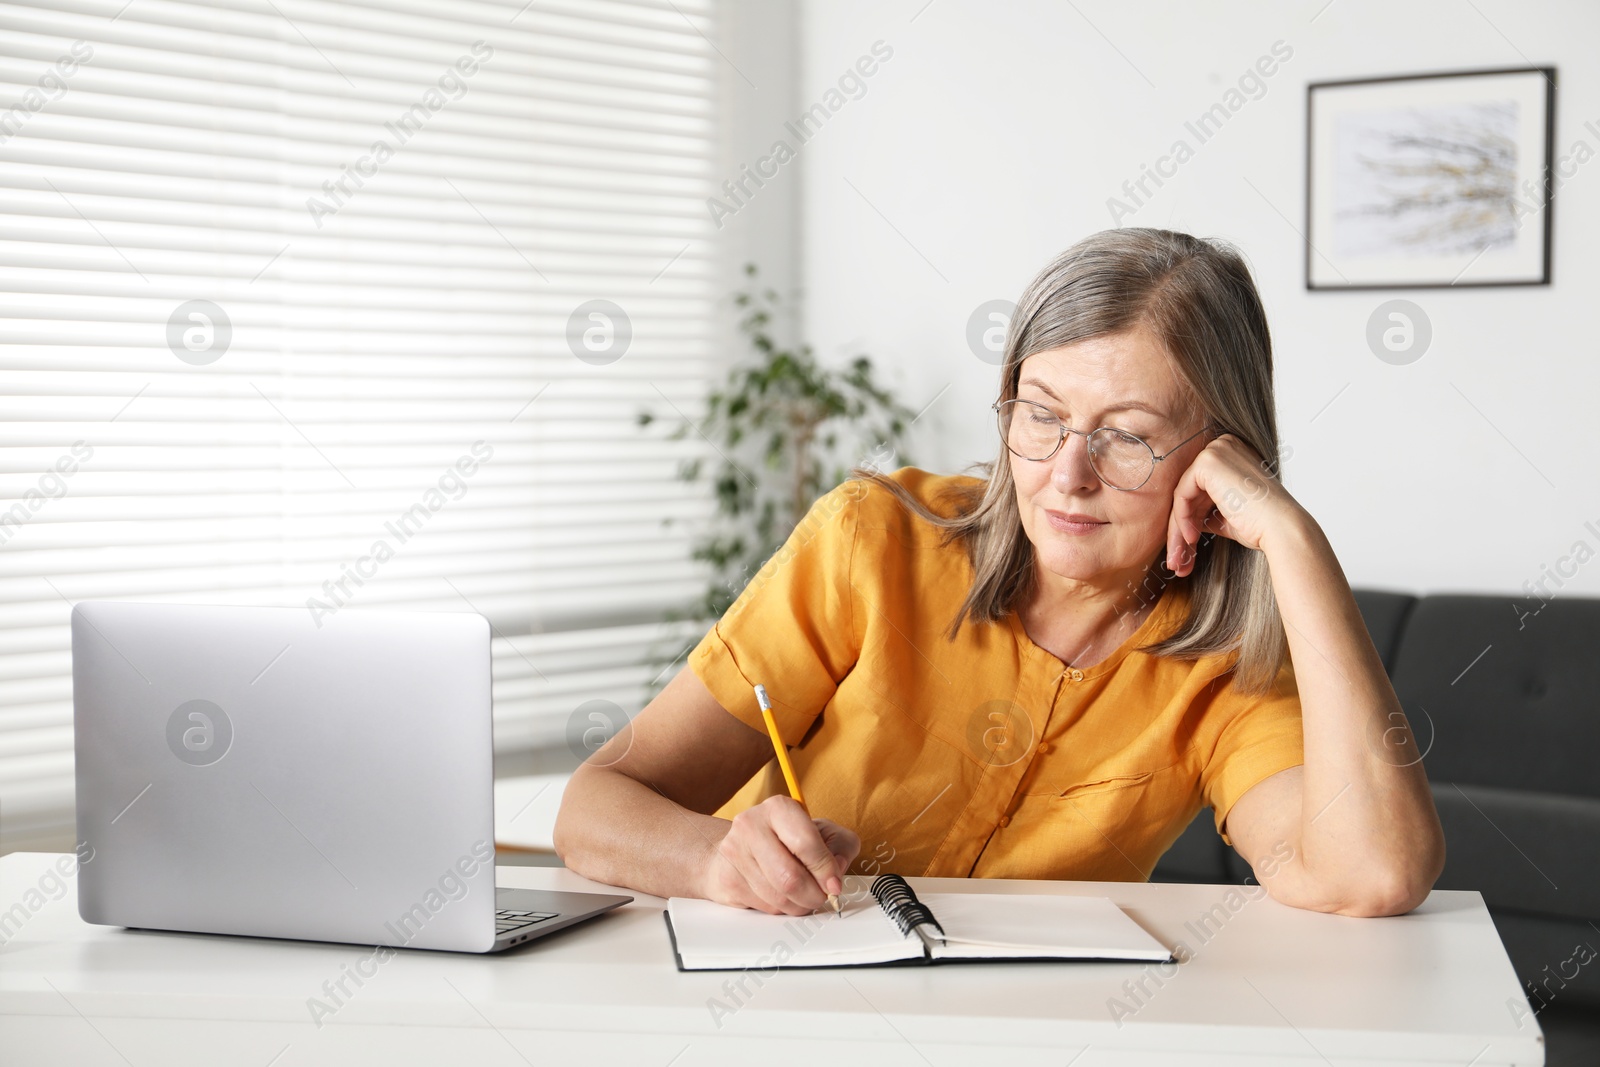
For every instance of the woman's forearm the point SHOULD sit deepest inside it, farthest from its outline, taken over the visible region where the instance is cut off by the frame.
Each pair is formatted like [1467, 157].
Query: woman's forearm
[1368, 826]
[619, 831]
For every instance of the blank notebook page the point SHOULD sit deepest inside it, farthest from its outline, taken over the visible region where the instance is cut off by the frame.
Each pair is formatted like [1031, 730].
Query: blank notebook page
[1023, 925]
[710, 934]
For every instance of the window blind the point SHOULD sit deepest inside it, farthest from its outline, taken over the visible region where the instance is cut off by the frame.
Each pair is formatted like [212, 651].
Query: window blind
[350, 304]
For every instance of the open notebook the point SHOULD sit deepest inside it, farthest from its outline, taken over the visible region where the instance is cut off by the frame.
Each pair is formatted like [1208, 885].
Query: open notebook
[890, 924]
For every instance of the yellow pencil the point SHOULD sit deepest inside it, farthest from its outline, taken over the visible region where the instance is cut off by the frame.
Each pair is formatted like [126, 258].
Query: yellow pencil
[788, 770]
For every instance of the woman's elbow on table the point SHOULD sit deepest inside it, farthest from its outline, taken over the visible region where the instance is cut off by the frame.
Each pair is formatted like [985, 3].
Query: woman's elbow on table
[1404, 882]
[579, 835]
[1375, 892]
[566, 835]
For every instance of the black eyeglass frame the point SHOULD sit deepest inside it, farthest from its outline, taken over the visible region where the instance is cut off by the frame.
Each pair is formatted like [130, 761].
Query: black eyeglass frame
[1088, 436]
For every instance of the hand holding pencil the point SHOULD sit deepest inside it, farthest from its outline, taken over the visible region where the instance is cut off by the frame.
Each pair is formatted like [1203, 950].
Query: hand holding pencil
[774, 857]
[788, 772]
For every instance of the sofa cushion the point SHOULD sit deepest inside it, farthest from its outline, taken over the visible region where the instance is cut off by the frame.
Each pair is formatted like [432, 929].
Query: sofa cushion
[1497, 697]
[1532, 852]
[1557, 960]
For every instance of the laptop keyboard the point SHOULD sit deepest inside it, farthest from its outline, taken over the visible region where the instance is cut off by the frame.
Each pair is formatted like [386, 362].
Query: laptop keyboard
[510, 921]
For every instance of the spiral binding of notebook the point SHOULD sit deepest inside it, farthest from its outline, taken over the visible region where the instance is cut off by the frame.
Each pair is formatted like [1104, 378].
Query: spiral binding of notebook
[899, 901]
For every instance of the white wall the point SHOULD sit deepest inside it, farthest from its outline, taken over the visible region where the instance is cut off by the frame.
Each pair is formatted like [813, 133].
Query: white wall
[759, 46]
[993, 137]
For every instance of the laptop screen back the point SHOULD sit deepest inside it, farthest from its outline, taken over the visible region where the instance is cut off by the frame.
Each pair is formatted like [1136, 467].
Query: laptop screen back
[247, 770]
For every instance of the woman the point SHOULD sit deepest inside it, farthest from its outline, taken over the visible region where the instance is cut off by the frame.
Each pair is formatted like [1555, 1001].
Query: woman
[997, 677]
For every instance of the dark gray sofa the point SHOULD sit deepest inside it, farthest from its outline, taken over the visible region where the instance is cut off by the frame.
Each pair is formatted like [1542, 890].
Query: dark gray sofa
[1503, 696]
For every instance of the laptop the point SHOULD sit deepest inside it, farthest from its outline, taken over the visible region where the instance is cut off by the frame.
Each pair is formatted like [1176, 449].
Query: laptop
[273, 773]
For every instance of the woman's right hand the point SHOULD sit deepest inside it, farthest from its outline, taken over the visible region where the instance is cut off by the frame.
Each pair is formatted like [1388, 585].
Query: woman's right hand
[777, 859]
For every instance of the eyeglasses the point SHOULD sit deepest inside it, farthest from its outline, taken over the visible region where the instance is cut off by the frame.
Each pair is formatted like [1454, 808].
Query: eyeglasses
[1119, 459]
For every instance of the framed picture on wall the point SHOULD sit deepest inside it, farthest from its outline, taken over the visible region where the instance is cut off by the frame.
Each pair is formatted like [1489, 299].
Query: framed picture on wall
[1430, 180]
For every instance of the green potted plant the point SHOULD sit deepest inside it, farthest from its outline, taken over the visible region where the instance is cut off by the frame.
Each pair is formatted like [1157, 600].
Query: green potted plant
[785, 429]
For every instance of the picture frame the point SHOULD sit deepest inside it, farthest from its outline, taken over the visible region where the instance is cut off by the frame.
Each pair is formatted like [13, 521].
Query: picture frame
[1425, 181]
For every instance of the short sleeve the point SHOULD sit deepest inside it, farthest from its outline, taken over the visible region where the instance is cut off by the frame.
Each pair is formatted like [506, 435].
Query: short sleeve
[793, 628]
[1258, 740]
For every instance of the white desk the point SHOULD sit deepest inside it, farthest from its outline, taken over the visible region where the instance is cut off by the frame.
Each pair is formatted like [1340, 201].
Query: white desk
[1267, 985]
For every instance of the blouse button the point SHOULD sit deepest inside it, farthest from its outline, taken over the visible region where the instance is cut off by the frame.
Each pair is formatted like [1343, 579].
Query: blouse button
[1005, 820]
[1044, 746]
[1077, 675]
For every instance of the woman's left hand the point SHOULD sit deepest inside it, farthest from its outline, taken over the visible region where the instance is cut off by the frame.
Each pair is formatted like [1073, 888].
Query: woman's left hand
[1227, 490]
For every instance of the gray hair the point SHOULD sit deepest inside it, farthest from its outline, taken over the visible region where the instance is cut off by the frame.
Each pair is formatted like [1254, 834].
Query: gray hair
[1196, 295]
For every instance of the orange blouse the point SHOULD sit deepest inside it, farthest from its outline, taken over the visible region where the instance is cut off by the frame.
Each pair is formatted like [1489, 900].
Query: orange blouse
[985, 756]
